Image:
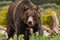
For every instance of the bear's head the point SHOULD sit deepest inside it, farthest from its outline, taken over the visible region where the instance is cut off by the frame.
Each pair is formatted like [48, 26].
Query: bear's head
[31, 16]
[28, 12]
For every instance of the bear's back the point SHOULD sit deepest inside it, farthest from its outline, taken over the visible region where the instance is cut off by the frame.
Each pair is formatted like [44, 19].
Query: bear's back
[13, 6]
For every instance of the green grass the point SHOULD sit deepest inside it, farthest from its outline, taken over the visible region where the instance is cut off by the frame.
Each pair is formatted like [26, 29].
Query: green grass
[54, 37]
[1, 36]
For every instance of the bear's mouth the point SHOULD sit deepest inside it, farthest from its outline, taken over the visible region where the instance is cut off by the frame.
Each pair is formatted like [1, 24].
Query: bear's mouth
[30, 25]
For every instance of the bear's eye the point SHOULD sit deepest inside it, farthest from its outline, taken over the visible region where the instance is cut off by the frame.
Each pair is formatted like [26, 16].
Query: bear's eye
[27, 17]
[34, 16]
[25, 8]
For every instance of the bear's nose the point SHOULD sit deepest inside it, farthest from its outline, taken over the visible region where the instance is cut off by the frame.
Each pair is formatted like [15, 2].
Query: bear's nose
[30, 22]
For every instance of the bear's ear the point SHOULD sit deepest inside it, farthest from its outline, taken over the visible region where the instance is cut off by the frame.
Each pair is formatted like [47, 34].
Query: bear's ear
[26, 8]
[37, 8]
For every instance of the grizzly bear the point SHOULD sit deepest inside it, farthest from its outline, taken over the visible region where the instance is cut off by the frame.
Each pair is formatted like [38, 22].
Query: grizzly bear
[21, 15]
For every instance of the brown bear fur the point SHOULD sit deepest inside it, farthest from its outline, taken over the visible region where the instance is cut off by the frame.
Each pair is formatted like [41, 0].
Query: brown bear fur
[17, 16]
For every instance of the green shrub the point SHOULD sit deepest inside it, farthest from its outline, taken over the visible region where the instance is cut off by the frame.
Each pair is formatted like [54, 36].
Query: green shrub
[3, 15]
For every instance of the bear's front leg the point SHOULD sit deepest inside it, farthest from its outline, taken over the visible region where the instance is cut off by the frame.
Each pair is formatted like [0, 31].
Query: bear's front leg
[28, 32]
